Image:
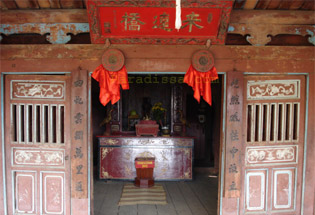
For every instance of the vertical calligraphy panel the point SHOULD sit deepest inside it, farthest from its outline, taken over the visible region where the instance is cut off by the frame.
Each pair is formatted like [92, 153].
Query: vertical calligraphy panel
[233, 135]
[79, 122]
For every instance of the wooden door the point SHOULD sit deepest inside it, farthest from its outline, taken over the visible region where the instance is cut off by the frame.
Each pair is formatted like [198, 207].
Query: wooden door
[37, 144]
[274, 114]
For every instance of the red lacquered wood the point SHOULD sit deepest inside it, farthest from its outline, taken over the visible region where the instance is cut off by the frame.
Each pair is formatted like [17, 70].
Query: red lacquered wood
[153, 22]
[144, 183]
[173, 157]
[147, 127]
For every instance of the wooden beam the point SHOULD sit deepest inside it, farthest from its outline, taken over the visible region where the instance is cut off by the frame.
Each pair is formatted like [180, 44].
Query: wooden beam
[273, 17]
[94, 52]
[80, 16]
[22, 4]
[153, 65]
[55, 4]
[262, 4]
[45, 4]
[296, 4]
[2, 5]
[250, 4]
[274, 4]
[68, 4]
[43, 16]
[10, 4]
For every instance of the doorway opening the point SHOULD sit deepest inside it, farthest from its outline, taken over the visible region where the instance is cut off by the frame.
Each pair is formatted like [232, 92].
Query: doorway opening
[202, 122]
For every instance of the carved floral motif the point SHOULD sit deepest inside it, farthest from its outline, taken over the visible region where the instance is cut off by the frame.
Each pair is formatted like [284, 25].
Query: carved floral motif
[54, 189]
[37, 90]
[128, 171]
[38, 157]
[111, 141]
[265, 155]
[186, 152]
[146, 154]
[146, 141]
[273, 89]
[105, 151]
[105, 174]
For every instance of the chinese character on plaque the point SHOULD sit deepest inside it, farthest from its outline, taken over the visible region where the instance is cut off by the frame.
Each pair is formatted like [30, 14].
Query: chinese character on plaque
[132, 22]
[162, 22]
[191, 20]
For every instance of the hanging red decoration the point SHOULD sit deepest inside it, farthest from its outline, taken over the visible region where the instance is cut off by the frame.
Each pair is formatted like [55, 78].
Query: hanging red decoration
[110, 81]
[200, 74]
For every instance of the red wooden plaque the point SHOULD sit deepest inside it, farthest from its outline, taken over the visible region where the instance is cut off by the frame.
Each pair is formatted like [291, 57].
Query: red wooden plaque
[153, 22]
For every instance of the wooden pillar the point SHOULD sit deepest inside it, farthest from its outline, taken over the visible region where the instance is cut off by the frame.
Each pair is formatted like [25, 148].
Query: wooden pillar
[234, 139]
[79, 142]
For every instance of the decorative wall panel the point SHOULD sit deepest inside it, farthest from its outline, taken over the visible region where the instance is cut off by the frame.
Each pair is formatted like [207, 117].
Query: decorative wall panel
[255, 190]
[38, 157]
[271, 155]
[52, 192]
[283, 189]
[24, 192]
[273, 89]
[37, 89]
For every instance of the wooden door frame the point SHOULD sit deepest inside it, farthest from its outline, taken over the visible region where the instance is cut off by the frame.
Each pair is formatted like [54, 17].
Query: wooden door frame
[3, 154]
[307, 87]
[222, 138]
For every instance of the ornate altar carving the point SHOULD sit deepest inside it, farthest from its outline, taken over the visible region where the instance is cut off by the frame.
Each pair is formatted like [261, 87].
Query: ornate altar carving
[173, 157]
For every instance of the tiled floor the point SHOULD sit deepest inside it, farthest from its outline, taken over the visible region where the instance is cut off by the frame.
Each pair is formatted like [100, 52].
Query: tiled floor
[196, 197]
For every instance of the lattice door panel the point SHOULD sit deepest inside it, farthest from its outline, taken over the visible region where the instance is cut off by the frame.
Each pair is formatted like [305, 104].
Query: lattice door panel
[37, 144]
[274, 143]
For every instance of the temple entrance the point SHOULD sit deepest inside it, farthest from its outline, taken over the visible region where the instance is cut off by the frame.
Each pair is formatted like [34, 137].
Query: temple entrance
[194, 192]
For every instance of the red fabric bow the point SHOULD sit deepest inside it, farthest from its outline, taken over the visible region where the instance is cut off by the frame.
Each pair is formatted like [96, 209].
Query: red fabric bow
[201, 82]
[110, 82]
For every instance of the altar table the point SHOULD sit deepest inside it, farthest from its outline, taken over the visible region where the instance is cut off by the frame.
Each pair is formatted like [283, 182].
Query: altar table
[173, 156]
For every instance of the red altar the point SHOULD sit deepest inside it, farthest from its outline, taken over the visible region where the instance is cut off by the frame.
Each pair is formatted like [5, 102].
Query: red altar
[173, 156]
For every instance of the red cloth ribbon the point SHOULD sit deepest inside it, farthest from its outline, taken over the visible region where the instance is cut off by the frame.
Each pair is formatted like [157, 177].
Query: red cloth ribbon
[201, 82]
[110, 82]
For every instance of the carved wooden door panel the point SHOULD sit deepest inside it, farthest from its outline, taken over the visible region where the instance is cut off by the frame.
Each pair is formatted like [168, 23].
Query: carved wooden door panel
[274, 114]
[37, 144]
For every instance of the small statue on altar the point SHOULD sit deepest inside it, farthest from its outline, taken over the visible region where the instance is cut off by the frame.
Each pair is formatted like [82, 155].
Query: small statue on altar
[146, 107]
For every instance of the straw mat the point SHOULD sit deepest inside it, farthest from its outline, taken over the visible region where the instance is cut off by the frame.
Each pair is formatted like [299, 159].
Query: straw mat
[133, 195]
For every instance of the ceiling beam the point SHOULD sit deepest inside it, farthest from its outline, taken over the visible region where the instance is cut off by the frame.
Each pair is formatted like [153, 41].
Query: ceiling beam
[280, 17]
[80, 16]
[44, 16]
[144, 58]
[250, 4]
